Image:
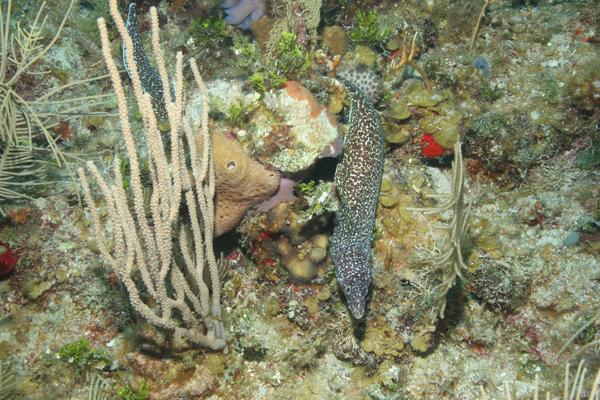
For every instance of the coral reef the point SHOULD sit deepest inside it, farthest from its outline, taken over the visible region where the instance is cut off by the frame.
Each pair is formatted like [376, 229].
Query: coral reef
[33, 117]
[335, 39]
[288, 220]
[292, 129]
[284, 194]
[303, 262]
[367, 30]
[8, 259]
[298, 19]
[8, 381]
[515, 81]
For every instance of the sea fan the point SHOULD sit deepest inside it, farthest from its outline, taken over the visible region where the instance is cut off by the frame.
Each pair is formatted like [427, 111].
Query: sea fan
[18, 172]
[8, 381]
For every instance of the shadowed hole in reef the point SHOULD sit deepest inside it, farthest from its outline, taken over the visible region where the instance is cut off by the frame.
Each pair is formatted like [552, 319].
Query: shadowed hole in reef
[324, 169]
[254, 353]
[359, 328]
[227, 242]
[454, 313]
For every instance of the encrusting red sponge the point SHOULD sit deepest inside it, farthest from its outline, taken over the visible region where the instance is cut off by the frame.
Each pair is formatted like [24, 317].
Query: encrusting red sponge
[430, 148]
[8, 259]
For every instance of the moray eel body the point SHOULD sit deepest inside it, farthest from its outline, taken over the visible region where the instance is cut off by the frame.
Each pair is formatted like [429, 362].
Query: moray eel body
[357, 180]
[149, 77]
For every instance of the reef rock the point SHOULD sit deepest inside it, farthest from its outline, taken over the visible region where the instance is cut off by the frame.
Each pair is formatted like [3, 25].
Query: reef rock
[302, 262]
[292, 129]
[241, 182]
[223, 96]
[335, 39]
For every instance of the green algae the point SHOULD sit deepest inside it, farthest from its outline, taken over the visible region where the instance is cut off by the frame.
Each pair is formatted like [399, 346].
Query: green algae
[127, 392]
[81, 354]
[367, 30]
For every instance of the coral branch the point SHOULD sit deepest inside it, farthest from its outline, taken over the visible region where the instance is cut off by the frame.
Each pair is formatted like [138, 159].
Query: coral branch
[172, 293]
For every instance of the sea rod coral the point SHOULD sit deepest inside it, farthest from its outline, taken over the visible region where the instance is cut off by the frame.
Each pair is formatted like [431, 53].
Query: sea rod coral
[357, 180]
[448, 255]
[178, 298]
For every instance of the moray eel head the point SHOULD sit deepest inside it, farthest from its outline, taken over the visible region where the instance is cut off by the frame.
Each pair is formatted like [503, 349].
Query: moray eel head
[353, 269]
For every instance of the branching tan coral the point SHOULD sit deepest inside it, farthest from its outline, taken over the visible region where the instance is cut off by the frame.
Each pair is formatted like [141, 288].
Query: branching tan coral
[484, 7]
[593, 320]
[165, 284]
[8, 382]
[407, 57]
[312, 14]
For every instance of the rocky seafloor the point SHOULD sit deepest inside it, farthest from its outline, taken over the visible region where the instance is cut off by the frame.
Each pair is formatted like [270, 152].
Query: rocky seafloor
[520, 89]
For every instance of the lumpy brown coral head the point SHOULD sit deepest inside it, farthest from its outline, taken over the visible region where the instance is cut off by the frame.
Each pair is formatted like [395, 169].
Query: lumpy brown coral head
[241, 182]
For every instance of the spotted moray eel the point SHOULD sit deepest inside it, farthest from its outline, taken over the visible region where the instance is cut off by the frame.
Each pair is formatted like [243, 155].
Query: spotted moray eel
[357, 181]
[149, 77]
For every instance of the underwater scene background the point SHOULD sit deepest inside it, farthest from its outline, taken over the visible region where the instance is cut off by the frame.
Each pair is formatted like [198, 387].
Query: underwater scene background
[299, 199]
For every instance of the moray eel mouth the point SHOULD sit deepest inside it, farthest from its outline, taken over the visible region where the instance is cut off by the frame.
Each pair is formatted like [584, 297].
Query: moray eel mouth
[353, 269]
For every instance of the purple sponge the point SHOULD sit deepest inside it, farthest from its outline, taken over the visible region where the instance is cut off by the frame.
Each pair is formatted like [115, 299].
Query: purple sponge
[243, 12]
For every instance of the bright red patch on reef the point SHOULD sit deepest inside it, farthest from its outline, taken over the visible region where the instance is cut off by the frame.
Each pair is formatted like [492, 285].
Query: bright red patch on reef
[429, 147]
[8, 259]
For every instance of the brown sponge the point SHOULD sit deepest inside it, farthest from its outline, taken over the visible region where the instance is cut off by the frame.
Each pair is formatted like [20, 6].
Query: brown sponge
[241, 182]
